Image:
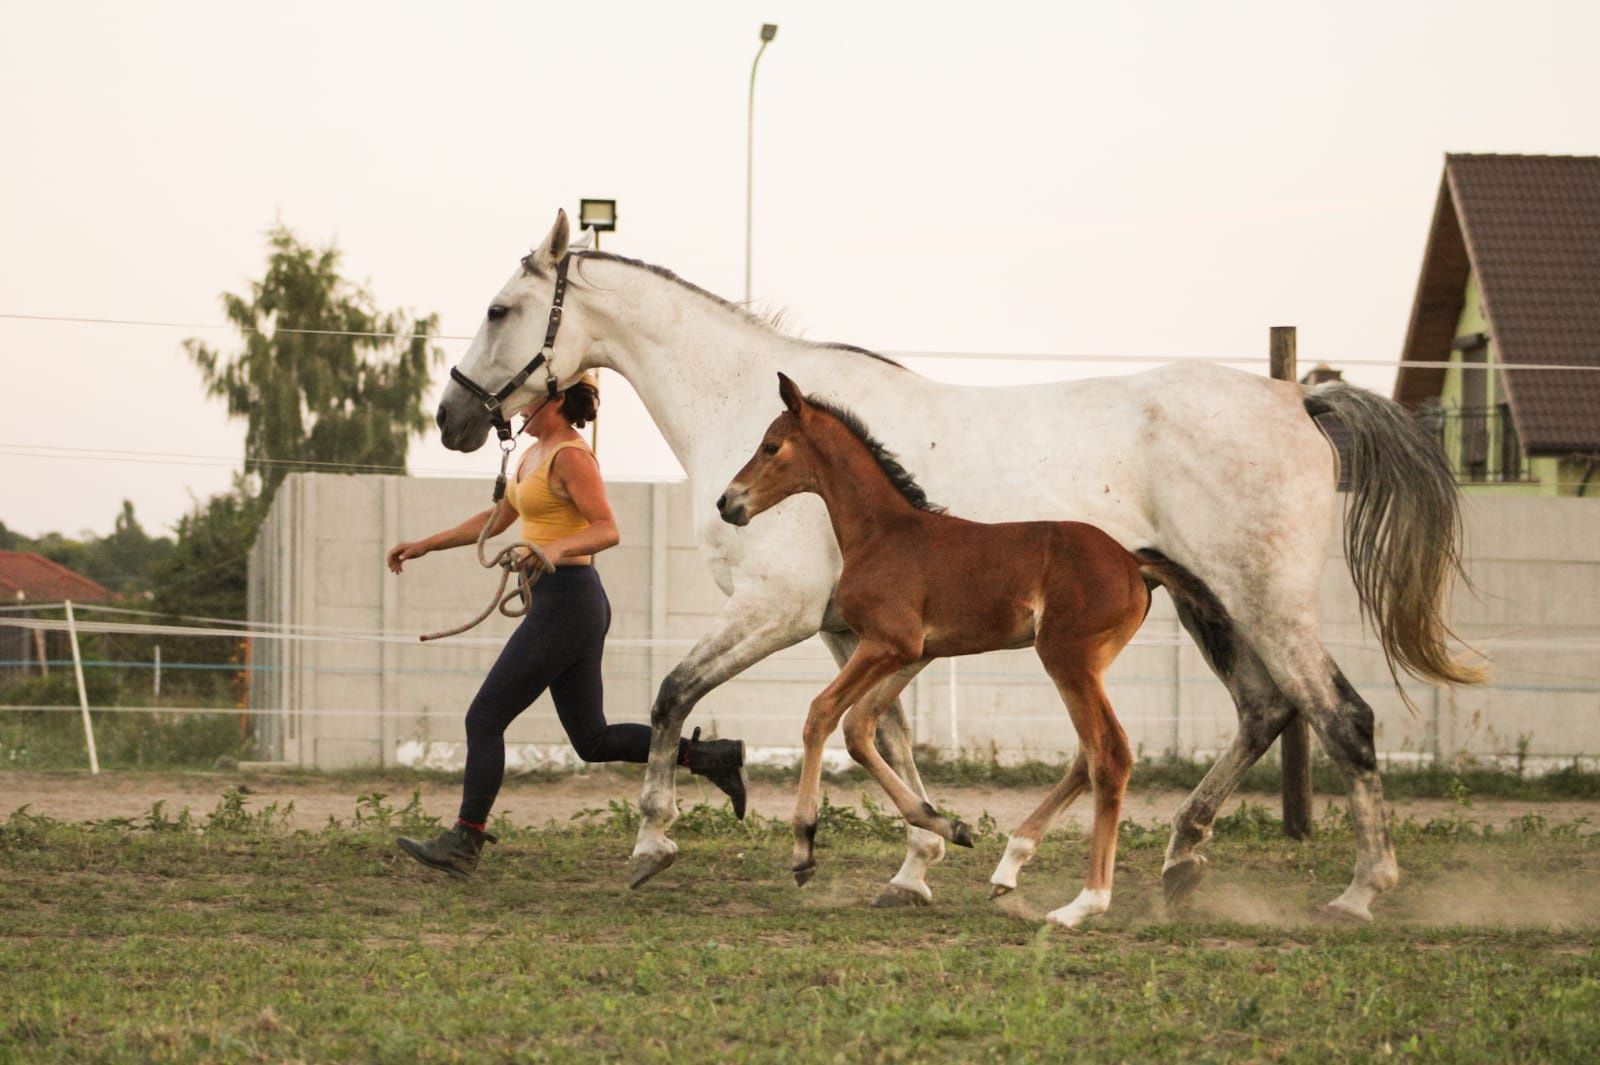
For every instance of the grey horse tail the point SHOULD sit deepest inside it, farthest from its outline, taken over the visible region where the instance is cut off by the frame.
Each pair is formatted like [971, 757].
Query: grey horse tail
[1402, 535]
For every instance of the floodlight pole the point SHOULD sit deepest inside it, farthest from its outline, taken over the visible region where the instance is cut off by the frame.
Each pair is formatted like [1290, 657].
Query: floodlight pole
[768, 32]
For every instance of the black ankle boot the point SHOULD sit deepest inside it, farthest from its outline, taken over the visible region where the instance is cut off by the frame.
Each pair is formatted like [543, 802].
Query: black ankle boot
[454, 851]
[722, 763]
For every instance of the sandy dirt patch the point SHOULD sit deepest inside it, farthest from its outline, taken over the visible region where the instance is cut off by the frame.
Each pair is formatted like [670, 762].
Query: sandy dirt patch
[69, 796]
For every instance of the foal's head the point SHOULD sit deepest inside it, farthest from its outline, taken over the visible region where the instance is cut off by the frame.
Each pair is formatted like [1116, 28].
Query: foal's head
[784, 463]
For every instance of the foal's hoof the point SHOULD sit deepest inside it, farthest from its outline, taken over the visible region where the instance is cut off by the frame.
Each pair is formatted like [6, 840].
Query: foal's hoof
[647, 865]
[1179, 880]
[804, 873]
[961, 834]
[998, 890]
[895, 897]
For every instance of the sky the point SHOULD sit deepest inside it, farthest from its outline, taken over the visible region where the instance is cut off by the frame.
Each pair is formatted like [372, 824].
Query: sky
[1162, 180]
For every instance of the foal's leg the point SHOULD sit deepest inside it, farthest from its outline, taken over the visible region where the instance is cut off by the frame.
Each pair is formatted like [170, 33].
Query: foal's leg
[1024, 842]
[870, 665]
[860, 735]
[909, 886]
[1076, 670]
[749, 628]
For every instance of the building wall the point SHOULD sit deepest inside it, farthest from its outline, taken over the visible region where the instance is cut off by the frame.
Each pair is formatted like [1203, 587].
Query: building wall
[364, 691]
[1543, 475]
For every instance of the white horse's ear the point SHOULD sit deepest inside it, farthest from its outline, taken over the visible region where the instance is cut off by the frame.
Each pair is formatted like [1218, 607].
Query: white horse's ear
[584, 242]
[555, 243]
[789, 392]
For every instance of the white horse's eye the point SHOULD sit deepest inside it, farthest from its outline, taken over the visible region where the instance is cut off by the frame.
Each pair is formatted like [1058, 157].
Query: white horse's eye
[497, 312]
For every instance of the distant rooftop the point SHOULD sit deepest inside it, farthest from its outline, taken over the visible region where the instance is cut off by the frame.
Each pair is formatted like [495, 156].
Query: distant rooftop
[1528, 227]
[40, 580]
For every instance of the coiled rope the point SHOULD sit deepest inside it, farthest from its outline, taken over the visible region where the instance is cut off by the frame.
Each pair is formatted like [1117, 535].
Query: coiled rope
[524, 559]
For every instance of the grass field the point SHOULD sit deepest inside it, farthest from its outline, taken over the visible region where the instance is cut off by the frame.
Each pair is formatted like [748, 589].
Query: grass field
[225, 937]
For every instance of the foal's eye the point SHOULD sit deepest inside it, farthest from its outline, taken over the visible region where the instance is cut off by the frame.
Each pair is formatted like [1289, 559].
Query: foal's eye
[769, 449]
[497, 312]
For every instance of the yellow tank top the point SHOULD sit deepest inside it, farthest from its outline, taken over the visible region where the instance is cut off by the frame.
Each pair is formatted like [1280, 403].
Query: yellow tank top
[545, 515]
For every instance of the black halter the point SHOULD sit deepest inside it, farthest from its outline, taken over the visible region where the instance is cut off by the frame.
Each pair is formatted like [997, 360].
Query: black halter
[493, 400]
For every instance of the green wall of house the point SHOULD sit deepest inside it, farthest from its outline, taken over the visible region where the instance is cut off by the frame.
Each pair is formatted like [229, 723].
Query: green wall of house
[1541, 476]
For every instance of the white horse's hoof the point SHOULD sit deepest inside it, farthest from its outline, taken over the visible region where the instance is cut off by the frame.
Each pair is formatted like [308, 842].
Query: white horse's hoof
[1180, 878]
[1349, 909]
[895, 897]
[647, 863]
[1089, 903]
[998, 890]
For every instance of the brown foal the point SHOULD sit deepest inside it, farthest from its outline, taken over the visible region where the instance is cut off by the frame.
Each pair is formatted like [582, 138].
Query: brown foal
[917, 585]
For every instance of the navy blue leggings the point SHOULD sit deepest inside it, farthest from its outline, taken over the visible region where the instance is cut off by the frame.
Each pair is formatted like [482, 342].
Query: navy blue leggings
[557, 646]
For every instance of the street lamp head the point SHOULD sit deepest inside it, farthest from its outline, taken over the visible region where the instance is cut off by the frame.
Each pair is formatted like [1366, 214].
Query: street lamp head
[769, 30]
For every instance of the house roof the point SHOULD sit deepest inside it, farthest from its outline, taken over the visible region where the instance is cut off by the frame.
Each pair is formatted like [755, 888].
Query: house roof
[42, 581]
[1528, 227]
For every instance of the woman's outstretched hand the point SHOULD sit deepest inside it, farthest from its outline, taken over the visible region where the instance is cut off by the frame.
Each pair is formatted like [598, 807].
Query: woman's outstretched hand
[403, 553]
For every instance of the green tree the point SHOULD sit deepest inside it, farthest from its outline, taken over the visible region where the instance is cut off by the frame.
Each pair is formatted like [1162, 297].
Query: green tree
[207, 575]
[324, 376]
[124, 561]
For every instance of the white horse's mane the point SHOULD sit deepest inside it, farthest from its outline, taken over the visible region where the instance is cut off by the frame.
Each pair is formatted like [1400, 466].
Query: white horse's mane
[772, 321]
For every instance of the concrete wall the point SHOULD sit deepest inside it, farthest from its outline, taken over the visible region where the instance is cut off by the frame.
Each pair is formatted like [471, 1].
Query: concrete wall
[358, 689]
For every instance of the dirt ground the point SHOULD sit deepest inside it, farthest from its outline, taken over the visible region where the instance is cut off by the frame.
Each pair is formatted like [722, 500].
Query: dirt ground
[68, 796]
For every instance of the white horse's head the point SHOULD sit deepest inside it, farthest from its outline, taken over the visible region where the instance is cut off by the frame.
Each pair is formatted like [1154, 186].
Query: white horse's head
[510, 337]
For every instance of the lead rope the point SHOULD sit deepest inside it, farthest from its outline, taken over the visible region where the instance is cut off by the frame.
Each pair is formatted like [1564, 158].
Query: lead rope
[511, 559]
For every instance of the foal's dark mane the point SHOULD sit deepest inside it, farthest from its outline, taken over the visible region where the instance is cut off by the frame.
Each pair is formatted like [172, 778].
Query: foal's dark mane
[898, 475]
[662, 272]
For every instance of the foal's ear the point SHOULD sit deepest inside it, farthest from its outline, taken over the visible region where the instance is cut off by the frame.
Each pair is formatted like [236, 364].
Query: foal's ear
[555, 243]
[789, 392]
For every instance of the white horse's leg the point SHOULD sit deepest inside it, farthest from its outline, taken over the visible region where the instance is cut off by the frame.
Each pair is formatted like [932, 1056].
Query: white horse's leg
[748, 629]
[1263, 713]
[1306, 674]
[1272, 659]
[924, 849]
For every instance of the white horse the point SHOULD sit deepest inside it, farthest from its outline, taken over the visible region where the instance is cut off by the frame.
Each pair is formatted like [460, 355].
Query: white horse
[1223, 472]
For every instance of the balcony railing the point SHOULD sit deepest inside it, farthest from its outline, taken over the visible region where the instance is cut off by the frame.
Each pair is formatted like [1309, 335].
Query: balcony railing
[1481, 443]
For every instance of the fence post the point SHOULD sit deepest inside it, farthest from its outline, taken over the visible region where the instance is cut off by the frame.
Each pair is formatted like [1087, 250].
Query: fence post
[83, 693]
[1295, 750]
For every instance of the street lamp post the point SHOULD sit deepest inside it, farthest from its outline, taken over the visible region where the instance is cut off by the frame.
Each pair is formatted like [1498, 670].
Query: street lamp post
[600, 216]
[769, 30]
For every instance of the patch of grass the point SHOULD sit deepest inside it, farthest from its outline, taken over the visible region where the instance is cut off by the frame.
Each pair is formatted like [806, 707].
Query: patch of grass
[225, 936]
[53, 739]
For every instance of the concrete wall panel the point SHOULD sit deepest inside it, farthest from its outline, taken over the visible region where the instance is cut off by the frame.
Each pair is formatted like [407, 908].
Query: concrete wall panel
[319, 562]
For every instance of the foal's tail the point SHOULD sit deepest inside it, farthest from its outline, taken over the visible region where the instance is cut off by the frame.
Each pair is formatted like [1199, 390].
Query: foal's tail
[1402, 531]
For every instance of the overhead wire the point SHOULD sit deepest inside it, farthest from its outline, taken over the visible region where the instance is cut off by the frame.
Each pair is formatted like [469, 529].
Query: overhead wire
[996, 356]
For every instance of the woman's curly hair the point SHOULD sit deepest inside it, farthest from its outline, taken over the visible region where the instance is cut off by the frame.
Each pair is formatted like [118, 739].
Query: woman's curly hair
[580, 402]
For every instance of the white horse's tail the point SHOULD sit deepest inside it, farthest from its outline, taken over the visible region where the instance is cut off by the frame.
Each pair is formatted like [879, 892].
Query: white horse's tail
[1403, 531]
